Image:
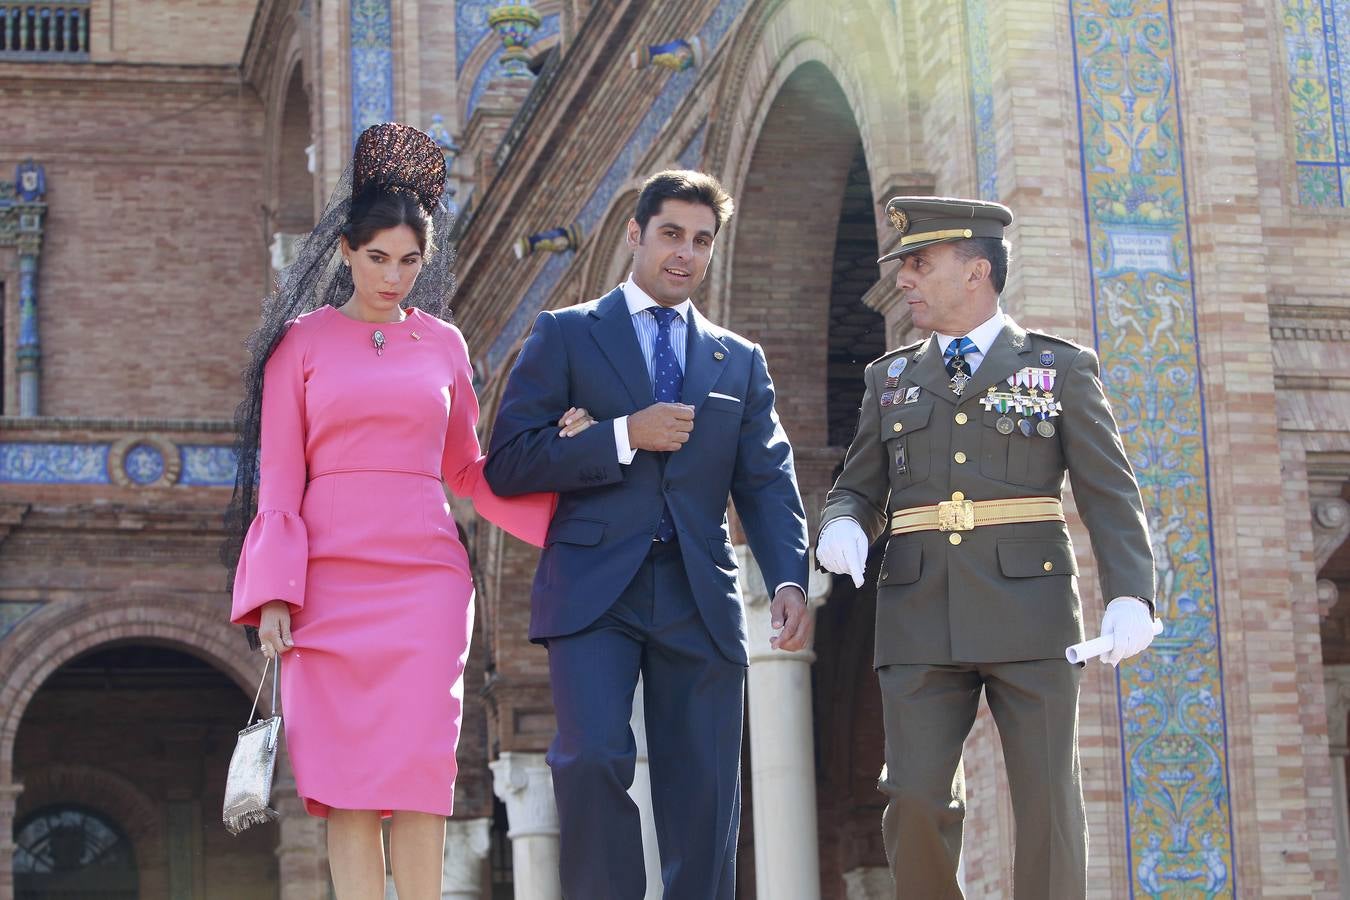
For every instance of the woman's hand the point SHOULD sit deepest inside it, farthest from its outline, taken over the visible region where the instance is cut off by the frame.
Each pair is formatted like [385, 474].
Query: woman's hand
[574, 422]
[274, 628]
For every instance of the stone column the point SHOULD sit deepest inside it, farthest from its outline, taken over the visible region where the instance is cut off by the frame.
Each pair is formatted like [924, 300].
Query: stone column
[302, 845]
[523, 782]
[1337, 681]
[641, 792]
[9, 798]
[869, 883]
[466, 849]
[782, 754]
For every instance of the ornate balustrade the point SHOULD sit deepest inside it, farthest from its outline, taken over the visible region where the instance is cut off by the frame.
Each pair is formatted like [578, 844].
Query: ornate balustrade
[50, 32]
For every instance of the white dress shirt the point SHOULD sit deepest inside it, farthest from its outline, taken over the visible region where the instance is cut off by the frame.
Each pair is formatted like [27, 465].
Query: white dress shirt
[982, 336]
[639, 301]
[646, 327]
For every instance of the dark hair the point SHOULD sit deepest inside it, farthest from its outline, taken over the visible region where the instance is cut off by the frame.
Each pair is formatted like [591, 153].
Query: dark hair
[996, 250]
[376, 209]
[686, 185]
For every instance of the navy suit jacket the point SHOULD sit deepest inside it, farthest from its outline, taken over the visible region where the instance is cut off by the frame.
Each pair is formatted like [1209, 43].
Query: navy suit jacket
[588, 356]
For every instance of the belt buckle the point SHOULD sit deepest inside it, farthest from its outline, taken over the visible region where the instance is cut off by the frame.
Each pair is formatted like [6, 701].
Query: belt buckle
[956, 515]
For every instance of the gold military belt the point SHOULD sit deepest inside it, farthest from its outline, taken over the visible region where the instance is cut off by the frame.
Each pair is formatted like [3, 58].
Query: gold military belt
[960, 514]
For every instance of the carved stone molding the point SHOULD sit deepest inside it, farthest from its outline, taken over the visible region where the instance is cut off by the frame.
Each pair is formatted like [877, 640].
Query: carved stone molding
[1336, 680]
[868, 883]
[1331, 526]
[523, 782]
[466, 846]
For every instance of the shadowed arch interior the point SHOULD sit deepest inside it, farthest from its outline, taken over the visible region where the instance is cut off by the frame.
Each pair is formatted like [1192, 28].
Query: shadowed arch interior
[152, 721]
[805, 254]
[295, 183]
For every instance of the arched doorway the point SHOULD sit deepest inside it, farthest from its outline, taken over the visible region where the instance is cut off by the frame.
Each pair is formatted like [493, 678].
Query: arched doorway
[293, 205]
[66, 852]
[122, 752]
[805, 251]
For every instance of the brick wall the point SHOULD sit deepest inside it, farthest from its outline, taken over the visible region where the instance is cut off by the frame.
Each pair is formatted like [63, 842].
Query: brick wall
[154, 255]
[176, 32]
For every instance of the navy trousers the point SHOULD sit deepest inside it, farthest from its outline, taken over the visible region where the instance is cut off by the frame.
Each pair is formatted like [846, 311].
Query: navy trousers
[694, 701]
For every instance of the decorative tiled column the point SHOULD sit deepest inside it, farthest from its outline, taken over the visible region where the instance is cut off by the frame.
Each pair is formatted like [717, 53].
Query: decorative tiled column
[782, 747]
[372, 62]
[23, 220]
[466, 848]
[1173, 725]
[523, 782]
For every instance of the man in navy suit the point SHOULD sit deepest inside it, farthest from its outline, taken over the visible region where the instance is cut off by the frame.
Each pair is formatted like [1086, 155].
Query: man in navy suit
[638, 575]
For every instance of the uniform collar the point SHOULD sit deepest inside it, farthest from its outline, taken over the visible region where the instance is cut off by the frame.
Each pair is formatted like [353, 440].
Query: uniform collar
[982, 335]
[638, 300]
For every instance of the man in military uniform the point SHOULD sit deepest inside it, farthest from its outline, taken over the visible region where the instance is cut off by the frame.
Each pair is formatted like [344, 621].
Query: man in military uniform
[962, 444]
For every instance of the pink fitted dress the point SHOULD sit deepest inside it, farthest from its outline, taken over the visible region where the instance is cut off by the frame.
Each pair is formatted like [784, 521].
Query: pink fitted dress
[354, 532]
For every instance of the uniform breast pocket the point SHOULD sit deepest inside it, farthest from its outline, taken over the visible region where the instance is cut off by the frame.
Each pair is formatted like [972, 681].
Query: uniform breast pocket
[996, 444]
[909, 443]
[1017, 457]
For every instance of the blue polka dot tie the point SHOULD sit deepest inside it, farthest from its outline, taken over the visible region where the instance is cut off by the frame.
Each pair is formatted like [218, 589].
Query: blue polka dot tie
[667, 383]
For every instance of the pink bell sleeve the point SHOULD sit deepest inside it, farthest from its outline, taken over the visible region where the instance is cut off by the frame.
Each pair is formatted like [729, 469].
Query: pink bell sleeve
[525, 516]
[275, 558]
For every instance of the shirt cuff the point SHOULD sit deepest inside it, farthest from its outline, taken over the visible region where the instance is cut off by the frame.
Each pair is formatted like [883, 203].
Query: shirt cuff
[790, 584]
[626, 453]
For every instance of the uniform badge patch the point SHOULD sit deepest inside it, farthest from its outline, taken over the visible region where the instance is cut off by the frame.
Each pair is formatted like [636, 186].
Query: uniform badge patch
[1047, 357]
[912, 394]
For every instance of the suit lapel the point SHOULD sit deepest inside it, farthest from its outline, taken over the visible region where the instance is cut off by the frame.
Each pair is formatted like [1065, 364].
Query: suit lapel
[704, 358]
[613, 331]
[929, 372]
[1003, 359]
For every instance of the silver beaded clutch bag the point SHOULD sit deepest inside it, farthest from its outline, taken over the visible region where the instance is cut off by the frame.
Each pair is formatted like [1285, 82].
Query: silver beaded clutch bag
[248, 786]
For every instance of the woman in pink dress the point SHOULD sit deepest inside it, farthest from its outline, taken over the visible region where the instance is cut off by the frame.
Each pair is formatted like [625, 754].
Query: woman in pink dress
[353, 567]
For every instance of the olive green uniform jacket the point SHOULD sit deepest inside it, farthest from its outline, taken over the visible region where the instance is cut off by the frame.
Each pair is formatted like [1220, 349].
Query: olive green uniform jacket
[1006, 592]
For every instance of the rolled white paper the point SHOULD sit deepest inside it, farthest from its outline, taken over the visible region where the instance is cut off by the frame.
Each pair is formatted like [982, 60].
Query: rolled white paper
[1099, 646]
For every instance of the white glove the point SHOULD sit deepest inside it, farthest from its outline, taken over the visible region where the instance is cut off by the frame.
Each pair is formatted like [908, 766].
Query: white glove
[842, 549]
[1129, 623]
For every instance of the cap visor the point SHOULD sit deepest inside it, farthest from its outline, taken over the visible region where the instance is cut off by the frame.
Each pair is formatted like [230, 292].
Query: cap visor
[902, 251]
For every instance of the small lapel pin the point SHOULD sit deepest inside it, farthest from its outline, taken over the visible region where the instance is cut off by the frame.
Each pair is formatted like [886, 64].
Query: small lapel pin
[718, 354]
[416, 336]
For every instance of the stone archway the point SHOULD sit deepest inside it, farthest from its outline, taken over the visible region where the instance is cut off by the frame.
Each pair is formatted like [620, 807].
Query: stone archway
[53, 639]
[292, 166]
[805, 255]
[295, 181]
[610, 259]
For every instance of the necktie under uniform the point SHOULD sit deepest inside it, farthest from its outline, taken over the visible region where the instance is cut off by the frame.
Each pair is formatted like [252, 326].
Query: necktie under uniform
[667, 385]
[957, 367]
